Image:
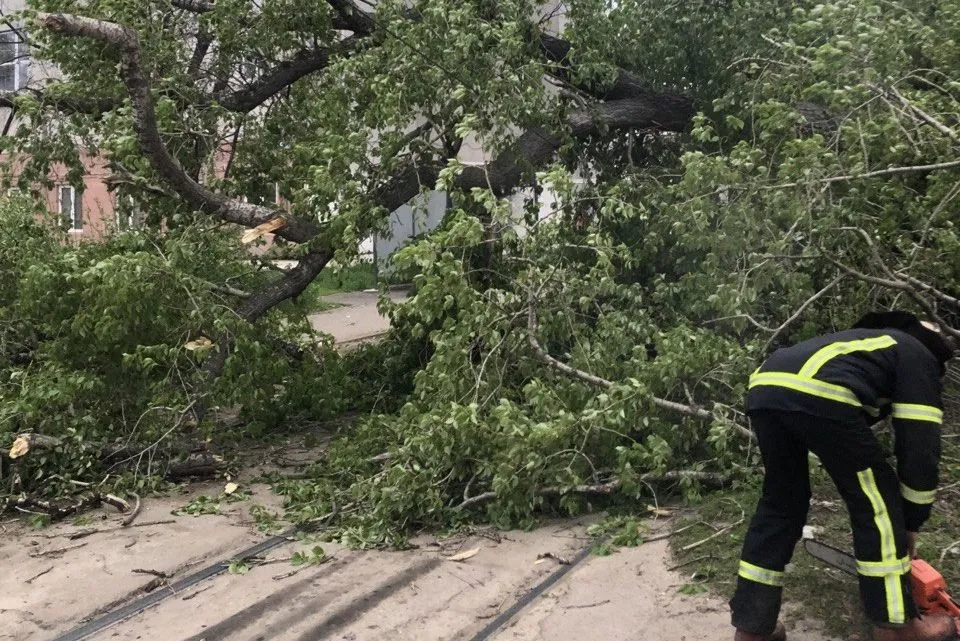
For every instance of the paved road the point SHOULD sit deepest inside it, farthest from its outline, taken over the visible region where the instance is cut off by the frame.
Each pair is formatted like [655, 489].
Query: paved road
[357, 317]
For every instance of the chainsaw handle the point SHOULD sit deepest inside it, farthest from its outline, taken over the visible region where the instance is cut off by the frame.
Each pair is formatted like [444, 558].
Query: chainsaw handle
[947, 604]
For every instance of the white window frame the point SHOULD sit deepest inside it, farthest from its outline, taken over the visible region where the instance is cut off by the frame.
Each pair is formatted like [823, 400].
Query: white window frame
[20, 61]
[132, 222]
[74, 216]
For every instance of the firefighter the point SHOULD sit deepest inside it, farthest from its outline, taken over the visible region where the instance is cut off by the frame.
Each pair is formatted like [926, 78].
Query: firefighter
[821, 396]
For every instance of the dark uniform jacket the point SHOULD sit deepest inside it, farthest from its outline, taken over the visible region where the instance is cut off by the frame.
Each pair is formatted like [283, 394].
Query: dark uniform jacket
[868, 374]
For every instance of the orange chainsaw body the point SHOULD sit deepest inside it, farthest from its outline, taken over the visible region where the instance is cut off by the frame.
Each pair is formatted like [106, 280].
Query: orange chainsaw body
[930, 591]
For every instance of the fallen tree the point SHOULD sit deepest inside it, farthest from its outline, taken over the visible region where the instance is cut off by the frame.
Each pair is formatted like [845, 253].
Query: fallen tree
[635, 222]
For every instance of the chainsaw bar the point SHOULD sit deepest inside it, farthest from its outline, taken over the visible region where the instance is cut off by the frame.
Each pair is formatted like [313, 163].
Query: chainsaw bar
[831, 556]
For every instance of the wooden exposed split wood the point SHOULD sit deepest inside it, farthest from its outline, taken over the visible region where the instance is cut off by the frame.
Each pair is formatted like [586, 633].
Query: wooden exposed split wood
[28, 441]
[115, 501]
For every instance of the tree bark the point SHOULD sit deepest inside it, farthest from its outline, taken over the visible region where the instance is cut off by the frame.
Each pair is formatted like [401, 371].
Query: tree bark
[286, 72]
[137, 84]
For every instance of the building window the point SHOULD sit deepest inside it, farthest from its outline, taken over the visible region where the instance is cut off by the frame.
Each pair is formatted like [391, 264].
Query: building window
[128, 215]
[71, 208]
[14, 61]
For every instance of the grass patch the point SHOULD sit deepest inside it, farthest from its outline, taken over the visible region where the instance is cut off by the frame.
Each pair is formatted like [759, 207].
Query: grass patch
[336, 280]
[352, 278]
[812, 591]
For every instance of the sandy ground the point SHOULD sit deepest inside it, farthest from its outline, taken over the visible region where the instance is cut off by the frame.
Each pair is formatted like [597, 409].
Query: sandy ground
[356, 319]
[419, 594]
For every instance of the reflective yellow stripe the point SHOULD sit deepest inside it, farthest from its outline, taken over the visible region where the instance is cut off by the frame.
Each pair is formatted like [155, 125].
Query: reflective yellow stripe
[883, 568]
[888, 547]
[761, 575]
[920, 497]
[913, 412]
[807, 386]
[823, 355]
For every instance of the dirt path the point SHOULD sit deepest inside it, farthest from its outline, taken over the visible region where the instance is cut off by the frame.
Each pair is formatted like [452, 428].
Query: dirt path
[356, 319]
[417, 595]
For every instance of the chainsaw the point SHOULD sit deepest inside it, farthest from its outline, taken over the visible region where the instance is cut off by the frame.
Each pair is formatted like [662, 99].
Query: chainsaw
[928, 586]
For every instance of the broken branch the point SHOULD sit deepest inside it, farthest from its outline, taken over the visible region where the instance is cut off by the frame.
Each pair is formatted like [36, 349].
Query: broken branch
[533, 328]
[133, 515]
[137, 82]
[800, 310]
[607, 489]
[38, 575]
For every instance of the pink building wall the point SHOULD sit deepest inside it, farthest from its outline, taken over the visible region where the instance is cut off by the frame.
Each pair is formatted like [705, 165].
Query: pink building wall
[97, 204]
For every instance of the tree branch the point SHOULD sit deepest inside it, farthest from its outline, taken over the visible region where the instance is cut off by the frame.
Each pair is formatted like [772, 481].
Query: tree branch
[626, 85]
[200, 50]
[536, 146]
[532, 330]
[69, 104]
[287, 72]
[900, 285]
[194, 6]
[801, 309]
[606, 489]
[355, 19]
[138, 86]
[917, 111]
[890, 171]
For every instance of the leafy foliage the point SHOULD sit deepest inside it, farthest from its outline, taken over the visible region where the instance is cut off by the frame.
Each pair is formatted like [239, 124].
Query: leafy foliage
[585, 318]
[704, 252]
[96, 349]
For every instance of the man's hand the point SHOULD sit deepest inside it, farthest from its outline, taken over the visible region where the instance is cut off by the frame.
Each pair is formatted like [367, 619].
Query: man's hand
[912, 544]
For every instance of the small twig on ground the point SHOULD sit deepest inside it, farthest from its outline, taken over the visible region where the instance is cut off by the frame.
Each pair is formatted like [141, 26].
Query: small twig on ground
[157, 573]
[667, 535]
[79, 534]
[193, 595]
[149, 523]
[947, 549]
[690, 562]
[550, 555]
[287, 575]
[38, 575]
[57, 552]
[133, 515]
[712, 536]
[586, 605]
